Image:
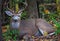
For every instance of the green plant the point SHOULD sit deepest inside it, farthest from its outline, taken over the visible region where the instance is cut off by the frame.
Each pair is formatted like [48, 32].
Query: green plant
[24, 15]
[57, 32]
[11, 35]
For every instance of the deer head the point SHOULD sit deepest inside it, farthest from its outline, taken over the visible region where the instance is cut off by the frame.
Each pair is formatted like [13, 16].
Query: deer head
[15, 16]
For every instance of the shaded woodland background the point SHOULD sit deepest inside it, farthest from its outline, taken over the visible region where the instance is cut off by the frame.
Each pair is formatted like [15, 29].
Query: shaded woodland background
[45, 9]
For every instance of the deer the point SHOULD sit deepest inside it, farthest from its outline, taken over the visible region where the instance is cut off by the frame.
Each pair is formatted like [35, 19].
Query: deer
[28, 27]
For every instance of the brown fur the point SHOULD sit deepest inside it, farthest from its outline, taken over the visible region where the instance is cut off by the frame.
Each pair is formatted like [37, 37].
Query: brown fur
[30, 26]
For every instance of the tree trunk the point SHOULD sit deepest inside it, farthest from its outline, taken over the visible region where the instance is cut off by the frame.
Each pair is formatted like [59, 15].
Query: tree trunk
[0, 22]
[32, 9]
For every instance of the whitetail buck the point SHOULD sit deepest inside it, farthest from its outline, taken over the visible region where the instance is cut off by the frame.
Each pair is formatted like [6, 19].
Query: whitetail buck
[29, 27]
[15, 16]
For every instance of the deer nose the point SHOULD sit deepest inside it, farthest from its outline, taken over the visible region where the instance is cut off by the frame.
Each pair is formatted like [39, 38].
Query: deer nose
[15, 20]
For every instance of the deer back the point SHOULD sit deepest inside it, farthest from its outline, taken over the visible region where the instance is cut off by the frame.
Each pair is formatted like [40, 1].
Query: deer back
[28, 26]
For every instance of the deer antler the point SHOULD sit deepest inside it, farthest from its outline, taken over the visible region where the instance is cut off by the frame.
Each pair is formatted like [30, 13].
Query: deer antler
[23, 8]
[9, 8]
[20, 11]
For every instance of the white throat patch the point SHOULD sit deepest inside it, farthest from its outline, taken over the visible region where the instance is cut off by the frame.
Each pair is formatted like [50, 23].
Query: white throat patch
[15, 24]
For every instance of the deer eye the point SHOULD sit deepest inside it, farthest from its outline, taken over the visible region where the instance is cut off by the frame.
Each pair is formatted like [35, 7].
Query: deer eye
[19, 16]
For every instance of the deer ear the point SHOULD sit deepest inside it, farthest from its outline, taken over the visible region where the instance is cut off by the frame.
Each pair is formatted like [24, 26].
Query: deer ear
[9, 13]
